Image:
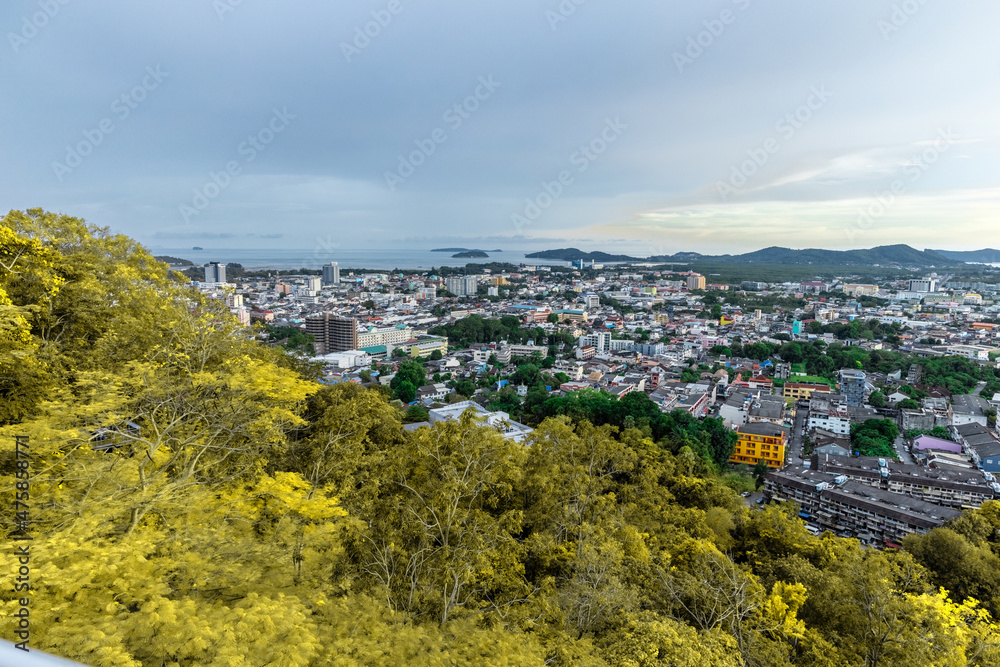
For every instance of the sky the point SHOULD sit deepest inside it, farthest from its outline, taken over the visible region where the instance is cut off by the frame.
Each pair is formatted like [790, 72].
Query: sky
[639, 126]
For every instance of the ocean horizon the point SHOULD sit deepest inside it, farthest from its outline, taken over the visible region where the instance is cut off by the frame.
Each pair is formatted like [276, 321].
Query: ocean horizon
[357, 258]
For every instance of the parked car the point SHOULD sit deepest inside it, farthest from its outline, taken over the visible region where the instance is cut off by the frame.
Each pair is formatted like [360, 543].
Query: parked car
[745, 494]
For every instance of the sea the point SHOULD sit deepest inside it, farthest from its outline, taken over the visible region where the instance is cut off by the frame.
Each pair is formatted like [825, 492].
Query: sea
[315, 258]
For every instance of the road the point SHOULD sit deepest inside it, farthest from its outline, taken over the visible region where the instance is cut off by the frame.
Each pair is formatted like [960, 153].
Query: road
[795, 438]
[979, 388]
[902, 452]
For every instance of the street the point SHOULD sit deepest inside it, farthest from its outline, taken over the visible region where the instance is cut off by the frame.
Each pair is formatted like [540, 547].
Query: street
[795, 438]
[902, 453]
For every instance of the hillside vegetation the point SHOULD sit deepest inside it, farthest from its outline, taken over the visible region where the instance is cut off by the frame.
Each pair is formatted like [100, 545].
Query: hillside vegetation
[250, 516]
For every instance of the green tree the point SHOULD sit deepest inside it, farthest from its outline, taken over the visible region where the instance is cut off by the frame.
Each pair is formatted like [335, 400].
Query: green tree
[406, 391]
[877, 399]
[409, 371]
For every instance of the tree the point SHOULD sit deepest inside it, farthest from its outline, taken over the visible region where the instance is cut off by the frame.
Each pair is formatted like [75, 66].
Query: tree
[416, 413]
[877, 399]
[369, 304]
[436, 355]
[406, 391]
[759, 473]
[409, 371]
[552, 318]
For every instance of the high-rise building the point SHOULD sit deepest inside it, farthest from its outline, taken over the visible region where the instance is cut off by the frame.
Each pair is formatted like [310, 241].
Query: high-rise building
[463, 285]
[695, 281]
[929, 285]
[331, 274]
[852, 386]
[333, 333]
[313, 283]
[215, 272]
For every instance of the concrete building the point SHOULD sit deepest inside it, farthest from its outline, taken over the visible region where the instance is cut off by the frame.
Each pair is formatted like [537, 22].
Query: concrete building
[331, 274]
[388, 336]
[968, 409]
[874, 515]
[852, 386]
[215, 272]
[802, 391]
[860, 290]
[333, 333]
[499, 420]
[696, 282]
[462, 285]
[928, 285]
[760, 442]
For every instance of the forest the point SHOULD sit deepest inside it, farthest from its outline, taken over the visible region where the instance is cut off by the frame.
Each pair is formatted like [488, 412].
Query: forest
[244, 514]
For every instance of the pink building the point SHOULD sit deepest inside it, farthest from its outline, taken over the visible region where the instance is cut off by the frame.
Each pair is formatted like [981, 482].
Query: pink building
[927, 442]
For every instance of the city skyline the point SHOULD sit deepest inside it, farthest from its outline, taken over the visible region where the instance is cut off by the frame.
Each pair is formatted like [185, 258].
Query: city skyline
[717, 128]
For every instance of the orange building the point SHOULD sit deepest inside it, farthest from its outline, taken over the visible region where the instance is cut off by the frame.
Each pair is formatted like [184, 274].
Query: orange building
[760, 442]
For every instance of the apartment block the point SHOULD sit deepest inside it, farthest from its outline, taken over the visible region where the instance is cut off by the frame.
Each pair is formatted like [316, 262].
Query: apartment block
[760, 442]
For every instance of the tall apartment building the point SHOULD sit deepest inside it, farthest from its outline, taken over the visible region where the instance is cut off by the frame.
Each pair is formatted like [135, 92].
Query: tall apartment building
[463, 285]
[215, 272]
[591, 301]
[929, 285]
[314, 283]
[331, 274]
[852, 387]
[696, 281]
[333, 333]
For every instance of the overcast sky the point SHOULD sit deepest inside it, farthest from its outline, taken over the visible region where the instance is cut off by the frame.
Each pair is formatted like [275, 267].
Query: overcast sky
[631, 125]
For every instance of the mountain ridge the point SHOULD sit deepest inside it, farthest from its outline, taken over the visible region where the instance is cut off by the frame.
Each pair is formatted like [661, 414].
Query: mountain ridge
[899, 254]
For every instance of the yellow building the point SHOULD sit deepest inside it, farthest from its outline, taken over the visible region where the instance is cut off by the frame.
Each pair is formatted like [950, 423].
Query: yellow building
[760, 442]
[802, 391]
[498, 280]
[696, 281]
[424, 347]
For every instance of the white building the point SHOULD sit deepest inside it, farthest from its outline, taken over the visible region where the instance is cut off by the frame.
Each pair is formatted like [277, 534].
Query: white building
[835, 421]
[498, 420]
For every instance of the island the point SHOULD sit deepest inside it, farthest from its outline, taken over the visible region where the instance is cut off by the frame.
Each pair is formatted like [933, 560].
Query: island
[197, 248]
[470, 253]
[572, 254]
[463, 250]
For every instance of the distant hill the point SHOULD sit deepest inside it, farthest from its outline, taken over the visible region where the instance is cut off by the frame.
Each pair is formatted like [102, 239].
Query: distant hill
[902, 255]
[899, 255]
[174, 261]
[986, 255]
